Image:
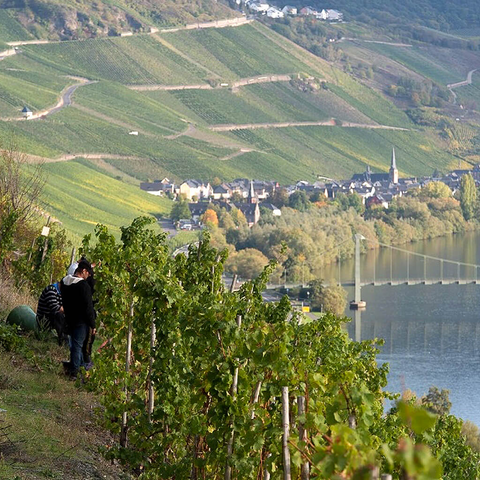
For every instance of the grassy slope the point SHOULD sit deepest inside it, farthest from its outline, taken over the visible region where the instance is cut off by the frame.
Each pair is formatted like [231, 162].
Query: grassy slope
[81, 196]
[10, 29]
[41, 90]
[193, 56]
[421, 61]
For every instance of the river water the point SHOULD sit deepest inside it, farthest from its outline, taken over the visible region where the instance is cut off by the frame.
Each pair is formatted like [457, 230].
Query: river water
[431, 332]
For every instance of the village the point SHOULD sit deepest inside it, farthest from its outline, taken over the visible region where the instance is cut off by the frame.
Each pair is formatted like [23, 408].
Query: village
[249, 196]
[263, 8]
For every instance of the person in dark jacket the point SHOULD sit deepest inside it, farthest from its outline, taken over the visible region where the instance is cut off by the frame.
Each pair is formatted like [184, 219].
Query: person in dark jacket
[79, 313]
[50, 312]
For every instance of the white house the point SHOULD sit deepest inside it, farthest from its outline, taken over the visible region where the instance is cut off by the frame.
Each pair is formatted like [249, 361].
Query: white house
[27, 113]
[323, 15]
[289, 10]
[274, 12]
[334, 15]
[195, 188]
[258, 7]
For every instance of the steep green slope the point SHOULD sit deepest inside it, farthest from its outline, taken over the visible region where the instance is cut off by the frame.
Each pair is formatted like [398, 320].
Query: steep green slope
[81, 196]
[72, 19]
[11, 29]
[175, 137]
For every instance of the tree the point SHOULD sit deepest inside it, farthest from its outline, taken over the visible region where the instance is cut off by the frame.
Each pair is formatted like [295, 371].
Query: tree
[247, 263]
[331, 299]
[210, 217]
[180, 210]
[436, 190]
[299, 201]
[216, 182]
[280, 197]
[437, 401]
[20, 188]
[468, 196]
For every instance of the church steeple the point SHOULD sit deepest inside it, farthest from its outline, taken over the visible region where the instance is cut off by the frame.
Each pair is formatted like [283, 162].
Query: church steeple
[251, 194]
[393, 173]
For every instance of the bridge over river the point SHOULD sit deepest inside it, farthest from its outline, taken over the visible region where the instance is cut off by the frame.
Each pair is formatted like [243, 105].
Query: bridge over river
[399, 266]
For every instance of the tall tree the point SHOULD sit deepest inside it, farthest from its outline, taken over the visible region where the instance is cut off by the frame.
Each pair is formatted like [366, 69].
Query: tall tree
[468, 196]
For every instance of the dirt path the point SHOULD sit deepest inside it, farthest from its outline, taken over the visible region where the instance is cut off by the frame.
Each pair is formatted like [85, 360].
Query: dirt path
[267, 78]
[237, 154]
[88, 156]
[325, 123]
[393, 44]
[7, 53]
[188, 132]
[467, 81]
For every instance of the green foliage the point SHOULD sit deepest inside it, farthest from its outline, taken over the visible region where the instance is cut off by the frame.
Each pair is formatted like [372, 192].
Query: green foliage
[468, 196]
[46, 260]
[437, 401]
[180, 210]
[191, 337]
[353, 200]
[328, 299]
[299, 201]
[10, 338]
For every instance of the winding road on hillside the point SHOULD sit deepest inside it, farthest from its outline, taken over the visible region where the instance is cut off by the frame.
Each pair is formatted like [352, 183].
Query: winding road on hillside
[64, 101]
[467, 81]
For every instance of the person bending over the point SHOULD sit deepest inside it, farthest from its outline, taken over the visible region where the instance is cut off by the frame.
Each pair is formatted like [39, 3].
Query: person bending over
[50, 312]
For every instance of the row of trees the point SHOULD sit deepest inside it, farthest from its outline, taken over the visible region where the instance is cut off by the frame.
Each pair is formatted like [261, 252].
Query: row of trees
[195, 379]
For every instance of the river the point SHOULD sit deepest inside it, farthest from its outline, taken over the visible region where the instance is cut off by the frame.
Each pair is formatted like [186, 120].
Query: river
[431, 332]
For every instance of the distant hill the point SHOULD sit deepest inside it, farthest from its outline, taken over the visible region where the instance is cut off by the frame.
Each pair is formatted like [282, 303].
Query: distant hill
[73, 19]
[235, 102]
[438, 14]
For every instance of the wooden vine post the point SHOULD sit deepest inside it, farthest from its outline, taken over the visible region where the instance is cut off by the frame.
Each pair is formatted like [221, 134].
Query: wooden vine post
[151, 393]
[286, 434]
[302, 435]
[228, 468]
[124, 428]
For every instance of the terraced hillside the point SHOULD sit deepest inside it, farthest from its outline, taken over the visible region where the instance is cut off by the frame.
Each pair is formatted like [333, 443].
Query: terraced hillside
[158, 101]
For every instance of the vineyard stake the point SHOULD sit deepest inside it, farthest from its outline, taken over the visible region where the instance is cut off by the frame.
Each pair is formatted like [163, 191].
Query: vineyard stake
[286, 434]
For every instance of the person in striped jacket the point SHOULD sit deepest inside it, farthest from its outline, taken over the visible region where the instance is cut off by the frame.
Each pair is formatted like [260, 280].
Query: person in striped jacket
[50, 312]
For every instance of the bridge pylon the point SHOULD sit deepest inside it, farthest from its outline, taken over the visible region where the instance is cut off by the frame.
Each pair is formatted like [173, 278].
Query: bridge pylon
[358, 303]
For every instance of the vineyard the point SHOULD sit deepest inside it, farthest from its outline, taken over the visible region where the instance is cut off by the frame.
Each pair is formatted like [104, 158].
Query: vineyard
[20, 88]
[201, 382]
[421, 61]
[317, 149]
[11, 29]
[81, 195]
[115, 101]
[245, 51]
[130, 60]
[367, 101]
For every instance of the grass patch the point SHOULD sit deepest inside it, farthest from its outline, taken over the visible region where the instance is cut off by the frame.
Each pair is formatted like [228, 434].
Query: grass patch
[51, 426]
[10, 29]
[81, 197]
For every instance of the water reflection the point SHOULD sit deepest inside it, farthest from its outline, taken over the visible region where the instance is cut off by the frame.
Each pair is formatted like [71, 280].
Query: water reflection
[431, 332]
